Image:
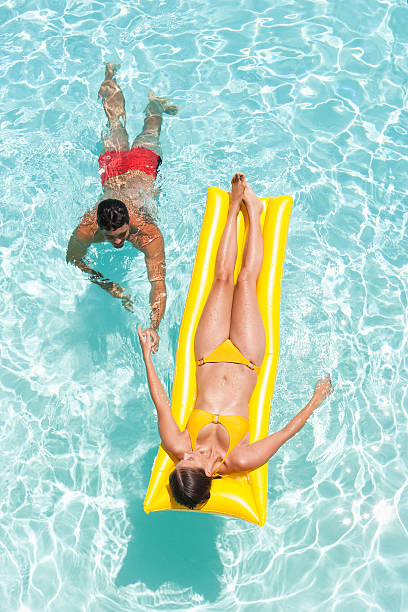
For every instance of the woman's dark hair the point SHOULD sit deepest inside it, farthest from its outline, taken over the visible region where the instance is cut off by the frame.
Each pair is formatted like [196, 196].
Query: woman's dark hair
[190, 486]
[112, 214]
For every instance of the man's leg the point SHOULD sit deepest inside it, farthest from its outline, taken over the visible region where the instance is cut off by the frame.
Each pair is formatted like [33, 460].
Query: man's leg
[214, 325]
[247, 331]
[114, 105]
[149, 138]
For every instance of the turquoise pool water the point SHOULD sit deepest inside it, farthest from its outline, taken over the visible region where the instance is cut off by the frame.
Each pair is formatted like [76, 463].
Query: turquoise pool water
[307, 98]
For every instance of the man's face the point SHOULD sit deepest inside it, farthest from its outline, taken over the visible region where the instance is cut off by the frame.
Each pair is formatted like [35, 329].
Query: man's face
[118, 236]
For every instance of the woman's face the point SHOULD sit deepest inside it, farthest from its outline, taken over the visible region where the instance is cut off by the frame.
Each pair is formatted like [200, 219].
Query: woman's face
[201, 458]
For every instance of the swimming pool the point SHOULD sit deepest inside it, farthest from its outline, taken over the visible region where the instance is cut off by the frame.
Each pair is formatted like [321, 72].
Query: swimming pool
[307, 98]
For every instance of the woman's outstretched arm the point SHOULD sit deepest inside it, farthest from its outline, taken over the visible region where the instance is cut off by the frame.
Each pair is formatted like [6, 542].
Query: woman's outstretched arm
[254, 455]
[173, 439]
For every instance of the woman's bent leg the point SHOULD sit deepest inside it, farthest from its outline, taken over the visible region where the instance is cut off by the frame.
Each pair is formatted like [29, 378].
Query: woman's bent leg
[247, 331]
[214, 325]
[114, 105]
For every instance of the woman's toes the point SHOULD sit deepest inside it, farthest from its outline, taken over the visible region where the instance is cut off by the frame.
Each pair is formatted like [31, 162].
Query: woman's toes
[238, 177]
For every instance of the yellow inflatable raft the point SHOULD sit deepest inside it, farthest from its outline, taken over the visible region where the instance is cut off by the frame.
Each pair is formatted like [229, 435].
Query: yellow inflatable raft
[240, 495]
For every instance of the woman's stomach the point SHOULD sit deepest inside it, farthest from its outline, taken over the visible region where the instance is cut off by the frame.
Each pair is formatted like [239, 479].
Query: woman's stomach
[224, 388]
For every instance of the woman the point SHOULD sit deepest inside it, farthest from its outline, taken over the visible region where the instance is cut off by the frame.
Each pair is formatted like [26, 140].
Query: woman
[229, 349]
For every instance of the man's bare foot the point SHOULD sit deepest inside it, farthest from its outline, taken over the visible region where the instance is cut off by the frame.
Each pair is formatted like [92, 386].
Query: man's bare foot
[112, 96]
[237, 189]
[251, 200]
[110, 70]
[109, 85]
[163, 103]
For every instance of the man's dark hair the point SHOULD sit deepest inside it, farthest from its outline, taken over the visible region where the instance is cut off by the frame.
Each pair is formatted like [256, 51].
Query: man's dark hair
[190, 486]
[112, 214]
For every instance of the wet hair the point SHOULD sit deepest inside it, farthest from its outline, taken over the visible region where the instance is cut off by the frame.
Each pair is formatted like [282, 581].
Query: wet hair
[112, 214]
[190, 486]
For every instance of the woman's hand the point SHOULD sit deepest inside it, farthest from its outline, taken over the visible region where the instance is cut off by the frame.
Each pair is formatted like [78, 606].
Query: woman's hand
[323, 389]
[149, 340]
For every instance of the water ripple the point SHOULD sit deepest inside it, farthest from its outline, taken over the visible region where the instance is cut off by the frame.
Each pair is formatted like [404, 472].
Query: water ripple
[307, 98]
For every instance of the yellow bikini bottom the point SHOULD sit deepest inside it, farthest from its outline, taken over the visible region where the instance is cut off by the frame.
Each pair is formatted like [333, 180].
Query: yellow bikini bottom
[227, 352]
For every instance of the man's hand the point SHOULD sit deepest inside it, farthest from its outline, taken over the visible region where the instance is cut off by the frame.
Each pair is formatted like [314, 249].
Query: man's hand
[155, 338]
[117, 291]
[149, 341]
[77, 249]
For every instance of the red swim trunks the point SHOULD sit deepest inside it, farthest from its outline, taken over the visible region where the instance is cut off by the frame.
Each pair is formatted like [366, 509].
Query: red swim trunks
[113, 163]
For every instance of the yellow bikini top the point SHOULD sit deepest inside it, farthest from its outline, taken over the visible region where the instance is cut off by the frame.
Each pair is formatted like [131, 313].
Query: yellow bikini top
[227, 352]
[237, 426]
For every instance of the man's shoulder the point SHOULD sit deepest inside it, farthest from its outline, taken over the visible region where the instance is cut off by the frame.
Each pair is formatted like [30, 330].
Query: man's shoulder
[87, 228]
[147, 239]
[140, 216]
[143, 227]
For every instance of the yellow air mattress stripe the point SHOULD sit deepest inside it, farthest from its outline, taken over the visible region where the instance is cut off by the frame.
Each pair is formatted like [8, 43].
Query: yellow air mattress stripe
[238, 495]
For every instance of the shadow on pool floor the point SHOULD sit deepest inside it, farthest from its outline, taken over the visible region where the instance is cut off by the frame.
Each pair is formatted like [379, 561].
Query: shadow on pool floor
[175, 547]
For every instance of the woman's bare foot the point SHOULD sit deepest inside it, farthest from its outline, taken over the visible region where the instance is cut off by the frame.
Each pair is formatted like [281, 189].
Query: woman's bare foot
[164, 103]
[237, 189]
[251, 200]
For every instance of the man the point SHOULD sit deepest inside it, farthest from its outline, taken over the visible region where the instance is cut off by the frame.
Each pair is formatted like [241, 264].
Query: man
[128, 177]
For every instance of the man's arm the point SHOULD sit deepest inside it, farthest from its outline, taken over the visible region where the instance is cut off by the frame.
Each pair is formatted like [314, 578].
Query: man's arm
[156, 273]
[254, 455]
[77, 248]
[151, 244]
